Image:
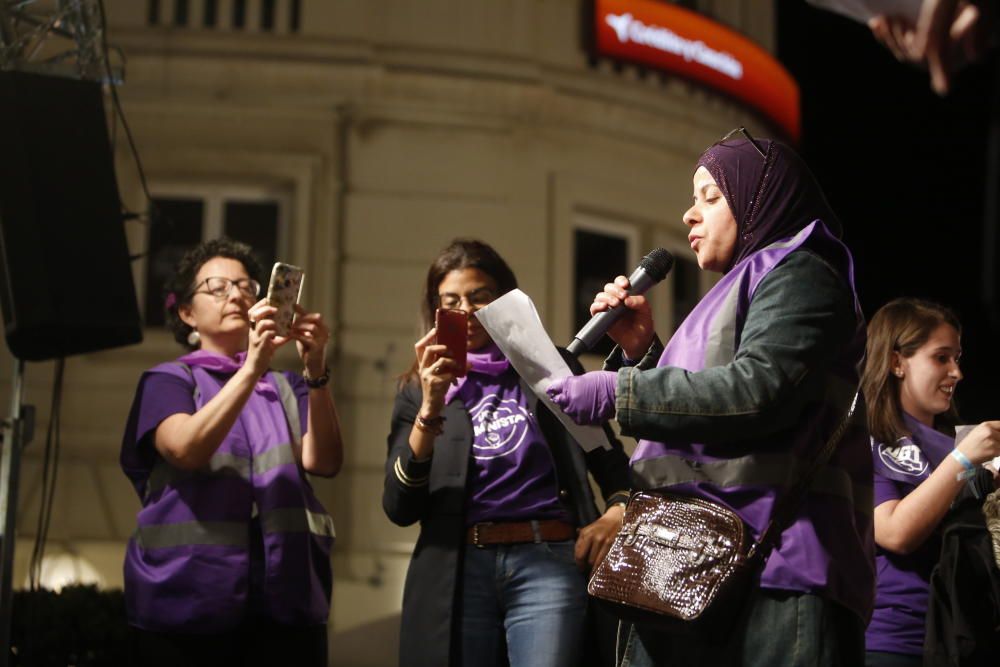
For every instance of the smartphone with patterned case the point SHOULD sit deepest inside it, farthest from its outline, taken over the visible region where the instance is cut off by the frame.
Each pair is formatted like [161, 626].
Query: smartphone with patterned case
[453, 332]
[283, 293]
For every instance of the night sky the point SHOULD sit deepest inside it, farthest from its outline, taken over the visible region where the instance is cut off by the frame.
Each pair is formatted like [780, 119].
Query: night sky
[905, 171]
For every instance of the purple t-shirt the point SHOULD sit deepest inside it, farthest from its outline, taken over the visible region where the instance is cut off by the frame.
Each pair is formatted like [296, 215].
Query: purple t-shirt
[902, 589]
[512, 477]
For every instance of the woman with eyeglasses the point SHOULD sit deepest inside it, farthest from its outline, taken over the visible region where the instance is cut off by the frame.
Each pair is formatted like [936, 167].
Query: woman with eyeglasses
[749, 390]
[508, 522]
[230, 564]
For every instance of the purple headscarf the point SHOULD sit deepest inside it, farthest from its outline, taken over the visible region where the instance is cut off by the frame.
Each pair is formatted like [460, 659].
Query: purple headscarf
[771, 196]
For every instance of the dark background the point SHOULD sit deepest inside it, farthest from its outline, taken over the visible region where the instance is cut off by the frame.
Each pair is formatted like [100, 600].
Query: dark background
[906, 172]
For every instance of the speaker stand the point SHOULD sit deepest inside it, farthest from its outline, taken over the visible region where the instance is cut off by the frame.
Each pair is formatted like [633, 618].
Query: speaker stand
[10, 465]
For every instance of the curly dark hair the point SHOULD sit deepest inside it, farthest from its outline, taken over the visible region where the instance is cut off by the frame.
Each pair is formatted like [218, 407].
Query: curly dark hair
[181, 283]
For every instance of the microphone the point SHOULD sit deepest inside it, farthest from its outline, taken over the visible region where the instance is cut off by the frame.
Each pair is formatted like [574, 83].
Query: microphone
[653, 268]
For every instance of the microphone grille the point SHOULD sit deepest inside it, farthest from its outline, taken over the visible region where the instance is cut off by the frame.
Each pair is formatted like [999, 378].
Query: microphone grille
[657, 263]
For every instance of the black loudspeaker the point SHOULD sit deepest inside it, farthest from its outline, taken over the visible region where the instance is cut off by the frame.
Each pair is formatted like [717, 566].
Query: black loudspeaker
[65, 281]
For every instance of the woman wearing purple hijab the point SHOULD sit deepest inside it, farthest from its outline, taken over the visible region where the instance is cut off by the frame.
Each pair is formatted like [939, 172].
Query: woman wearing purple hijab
[742, 398]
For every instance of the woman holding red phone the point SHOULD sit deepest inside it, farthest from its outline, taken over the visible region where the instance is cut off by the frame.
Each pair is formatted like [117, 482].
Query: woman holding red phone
[230, 563]
[509, 527]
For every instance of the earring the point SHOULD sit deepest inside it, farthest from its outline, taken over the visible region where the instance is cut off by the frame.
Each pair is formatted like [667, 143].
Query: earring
[899, 374]
[194, 338]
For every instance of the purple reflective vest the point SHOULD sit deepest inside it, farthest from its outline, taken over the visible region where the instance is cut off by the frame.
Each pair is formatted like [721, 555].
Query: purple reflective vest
[245, 535]
[829, 546]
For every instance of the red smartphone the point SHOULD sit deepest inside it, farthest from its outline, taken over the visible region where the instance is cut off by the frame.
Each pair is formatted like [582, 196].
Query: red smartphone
[452, 331]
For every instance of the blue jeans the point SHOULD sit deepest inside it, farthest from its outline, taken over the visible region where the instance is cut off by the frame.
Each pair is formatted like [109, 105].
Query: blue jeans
[528, 601]
[778, 629]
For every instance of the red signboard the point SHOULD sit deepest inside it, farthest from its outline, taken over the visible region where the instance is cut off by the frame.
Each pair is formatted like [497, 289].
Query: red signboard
[674, 39]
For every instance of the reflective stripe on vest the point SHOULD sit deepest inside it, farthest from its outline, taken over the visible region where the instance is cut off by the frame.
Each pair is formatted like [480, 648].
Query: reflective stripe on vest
[220, 533]
[220, 465]
[233, 533]
[778, 470]
[291, 405]
[297, 520]
[720, 343]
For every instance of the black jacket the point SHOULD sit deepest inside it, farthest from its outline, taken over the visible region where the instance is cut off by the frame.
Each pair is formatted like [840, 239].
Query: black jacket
[963, 612]
[434, 494]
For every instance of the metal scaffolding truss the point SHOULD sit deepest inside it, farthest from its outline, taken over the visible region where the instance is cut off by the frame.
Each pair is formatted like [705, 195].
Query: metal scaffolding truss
[55, 37]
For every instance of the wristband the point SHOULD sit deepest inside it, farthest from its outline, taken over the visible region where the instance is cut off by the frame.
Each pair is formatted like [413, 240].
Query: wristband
[432, 425]
[969, 468]
[316, 383]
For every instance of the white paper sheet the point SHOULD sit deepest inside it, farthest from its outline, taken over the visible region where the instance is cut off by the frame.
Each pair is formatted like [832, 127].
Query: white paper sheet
[862, 10]
[962, 430]
[515, 327]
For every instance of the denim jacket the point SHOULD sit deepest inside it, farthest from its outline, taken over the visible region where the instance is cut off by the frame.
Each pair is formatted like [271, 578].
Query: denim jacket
[800, 318]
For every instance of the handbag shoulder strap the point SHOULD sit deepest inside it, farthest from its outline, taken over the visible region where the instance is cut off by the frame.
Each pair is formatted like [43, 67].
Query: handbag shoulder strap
[788, 503]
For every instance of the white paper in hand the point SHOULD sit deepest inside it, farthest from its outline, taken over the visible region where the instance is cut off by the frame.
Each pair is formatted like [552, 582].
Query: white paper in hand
[863, 10]
[515, 327]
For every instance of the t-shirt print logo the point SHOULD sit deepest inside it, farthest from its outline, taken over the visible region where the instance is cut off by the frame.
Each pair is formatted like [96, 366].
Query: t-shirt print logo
[500, 426]
[903, 457]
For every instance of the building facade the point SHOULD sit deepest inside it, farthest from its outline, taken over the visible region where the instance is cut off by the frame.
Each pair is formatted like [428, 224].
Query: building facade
[355, 138]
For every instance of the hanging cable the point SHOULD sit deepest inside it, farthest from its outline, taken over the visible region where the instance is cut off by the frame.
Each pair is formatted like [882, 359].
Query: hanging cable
[153, 212]
[50, 468]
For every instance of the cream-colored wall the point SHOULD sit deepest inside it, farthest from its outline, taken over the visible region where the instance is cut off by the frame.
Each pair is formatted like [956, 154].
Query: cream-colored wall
[393, 125]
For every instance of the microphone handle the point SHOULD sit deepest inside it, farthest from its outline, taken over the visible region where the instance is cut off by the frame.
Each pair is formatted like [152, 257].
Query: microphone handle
[599, 324]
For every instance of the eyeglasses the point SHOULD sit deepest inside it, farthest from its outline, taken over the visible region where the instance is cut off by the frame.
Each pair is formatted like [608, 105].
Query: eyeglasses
[746, 135]
[220, 287]
[476, 299]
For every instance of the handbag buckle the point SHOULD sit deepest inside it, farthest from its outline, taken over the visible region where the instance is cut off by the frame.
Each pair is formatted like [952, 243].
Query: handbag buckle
[665, 536]
[632, 533]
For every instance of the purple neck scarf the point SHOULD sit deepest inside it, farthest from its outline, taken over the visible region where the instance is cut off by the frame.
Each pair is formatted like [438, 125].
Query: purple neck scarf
[488, 360]
[220, 363]
[934, 444]
[772, 197]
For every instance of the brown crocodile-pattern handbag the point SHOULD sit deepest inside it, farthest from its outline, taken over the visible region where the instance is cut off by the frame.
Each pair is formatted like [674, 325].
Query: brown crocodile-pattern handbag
[677, 562]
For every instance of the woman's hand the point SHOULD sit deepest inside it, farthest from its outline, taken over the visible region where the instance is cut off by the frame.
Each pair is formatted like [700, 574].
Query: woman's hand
[311, 335]
[587, 398]
[896, 34]
[264, 338]
[323, 444]
[437, 371]
[594, 540]
[948, 35]
[982, 444]
[634, 331]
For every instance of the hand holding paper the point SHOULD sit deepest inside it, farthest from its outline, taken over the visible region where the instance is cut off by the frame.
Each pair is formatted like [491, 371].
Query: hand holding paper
[515, 327]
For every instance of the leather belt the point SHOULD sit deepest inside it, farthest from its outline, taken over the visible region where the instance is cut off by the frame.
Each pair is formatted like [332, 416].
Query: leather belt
[520, 532]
